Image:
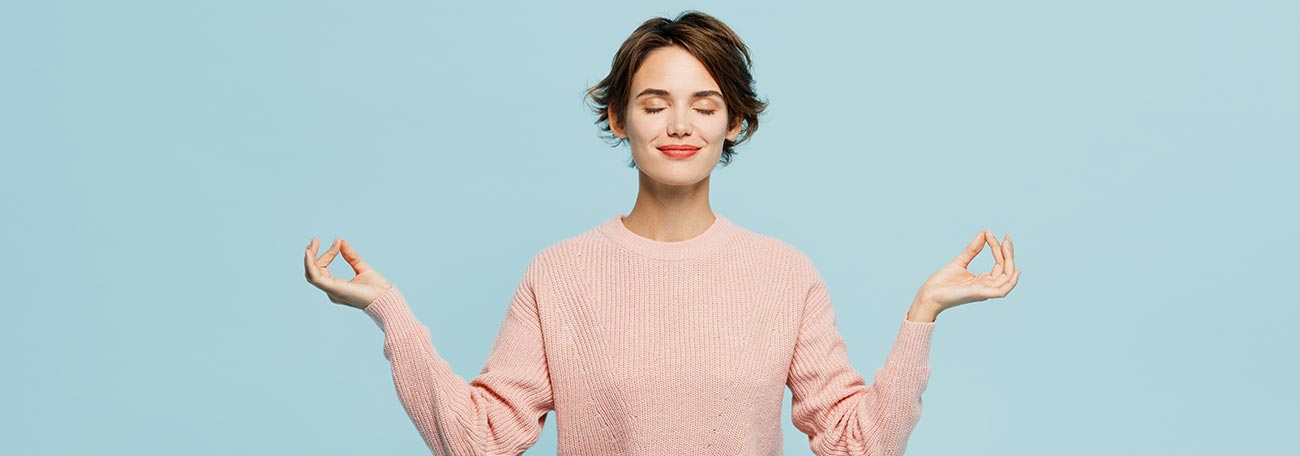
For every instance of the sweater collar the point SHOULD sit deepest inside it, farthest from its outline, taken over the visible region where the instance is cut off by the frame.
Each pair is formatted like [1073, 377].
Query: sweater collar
[717, 234]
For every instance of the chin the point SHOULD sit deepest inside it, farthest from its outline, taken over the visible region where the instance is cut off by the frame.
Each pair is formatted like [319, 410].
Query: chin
[678, 182]
[676, 175]
[667, 171]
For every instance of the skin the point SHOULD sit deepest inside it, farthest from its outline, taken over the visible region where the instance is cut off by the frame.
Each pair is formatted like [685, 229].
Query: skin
[672, 202]
[954, 285]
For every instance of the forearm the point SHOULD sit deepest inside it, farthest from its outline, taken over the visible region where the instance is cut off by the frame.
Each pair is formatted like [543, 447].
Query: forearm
[893, 404]
[438, 401]
[498, 412]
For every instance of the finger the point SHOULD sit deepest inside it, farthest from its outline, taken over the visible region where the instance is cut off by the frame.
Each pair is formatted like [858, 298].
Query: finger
[316, 275]
[970, 251]
[1008, 253]
[996, 248]
[996, 287]
[998, 281]
[311, 248]
[1007, 285]
[308, 264]
[328, 257]
[354, 259]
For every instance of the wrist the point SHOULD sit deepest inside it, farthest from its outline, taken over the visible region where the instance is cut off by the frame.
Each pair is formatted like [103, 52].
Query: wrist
[923, 311]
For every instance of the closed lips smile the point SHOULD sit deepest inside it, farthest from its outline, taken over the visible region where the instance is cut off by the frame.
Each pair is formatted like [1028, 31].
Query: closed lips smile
[679, 150]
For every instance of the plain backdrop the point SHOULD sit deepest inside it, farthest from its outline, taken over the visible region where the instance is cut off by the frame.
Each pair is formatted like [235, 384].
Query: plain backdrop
[165, 164]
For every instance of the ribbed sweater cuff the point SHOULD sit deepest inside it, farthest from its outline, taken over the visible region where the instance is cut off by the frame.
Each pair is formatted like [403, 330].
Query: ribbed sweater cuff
[912, 347]
[392, 314]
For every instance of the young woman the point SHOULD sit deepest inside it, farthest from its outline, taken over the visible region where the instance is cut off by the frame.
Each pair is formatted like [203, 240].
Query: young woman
[669, 330]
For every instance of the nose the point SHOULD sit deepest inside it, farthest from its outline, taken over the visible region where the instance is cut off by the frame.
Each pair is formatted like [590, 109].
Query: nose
[679, 125]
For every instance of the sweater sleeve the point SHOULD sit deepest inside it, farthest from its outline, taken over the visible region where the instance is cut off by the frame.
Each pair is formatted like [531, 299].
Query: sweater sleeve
[831, 401]
[499, 412]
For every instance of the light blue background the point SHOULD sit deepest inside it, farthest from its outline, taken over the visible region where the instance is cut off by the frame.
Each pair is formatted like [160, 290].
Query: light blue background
[166, 162]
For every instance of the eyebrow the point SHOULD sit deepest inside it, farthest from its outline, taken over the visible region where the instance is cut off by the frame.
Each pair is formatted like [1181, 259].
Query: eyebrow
[700, 94]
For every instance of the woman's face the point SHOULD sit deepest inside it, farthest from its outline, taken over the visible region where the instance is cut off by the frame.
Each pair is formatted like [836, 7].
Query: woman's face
[675, 102]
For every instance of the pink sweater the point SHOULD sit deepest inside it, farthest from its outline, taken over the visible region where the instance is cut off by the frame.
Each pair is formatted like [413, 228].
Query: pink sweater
[645, 347]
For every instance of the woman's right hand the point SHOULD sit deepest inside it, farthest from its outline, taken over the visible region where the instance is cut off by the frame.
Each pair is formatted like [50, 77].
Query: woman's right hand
[358, 292]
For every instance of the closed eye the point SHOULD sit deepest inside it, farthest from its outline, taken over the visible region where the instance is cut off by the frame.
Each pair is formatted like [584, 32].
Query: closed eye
[707, 112]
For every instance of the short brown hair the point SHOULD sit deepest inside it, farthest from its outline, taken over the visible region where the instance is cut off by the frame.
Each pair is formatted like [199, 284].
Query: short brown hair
[709, 40]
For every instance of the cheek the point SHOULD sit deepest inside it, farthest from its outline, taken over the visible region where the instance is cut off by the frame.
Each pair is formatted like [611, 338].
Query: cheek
[645, 125]
[718, 126]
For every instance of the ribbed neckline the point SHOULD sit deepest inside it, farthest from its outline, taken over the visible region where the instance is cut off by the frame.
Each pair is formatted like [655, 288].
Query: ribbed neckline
[716, 235]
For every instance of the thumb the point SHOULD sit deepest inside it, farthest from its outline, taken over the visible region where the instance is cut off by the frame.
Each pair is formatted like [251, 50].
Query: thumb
[972, 249]
[350, 255]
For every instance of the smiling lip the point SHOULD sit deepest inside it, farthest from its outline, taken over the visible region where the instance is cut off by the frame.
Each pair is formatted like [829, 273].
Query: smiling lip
[679, 150]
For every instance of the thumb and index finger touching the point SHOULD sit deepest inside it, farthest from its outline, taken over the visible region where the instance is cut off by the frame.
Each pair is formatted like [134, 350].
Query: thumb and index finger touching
[1001, 251]
[359, 266]
[317, 267]
[317, 271]
[972, 249]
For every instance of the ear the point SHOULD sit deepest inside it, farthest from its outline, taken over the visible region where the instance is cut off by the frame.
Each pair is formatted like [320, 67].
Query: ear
[614, 125]
[735, 131]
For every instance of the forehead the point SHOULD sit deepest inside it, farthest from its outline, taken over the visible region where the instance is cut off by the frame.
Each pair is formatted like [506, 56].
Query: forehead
[674, 69]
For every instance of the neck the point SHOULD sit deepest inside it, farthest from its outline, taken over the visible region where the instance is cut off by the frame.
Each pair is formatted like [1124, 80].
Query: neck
[670, 213]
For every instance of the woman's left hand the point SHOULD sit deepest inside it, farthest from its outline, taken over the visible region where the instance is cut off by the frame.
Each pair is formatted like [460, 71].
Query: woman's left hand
[953, 285]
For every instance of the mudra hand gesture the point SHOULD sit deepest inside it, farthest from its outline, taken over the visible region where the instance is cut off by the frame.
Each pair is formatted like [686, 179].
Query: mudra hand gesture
[953, 285]
[358, 292]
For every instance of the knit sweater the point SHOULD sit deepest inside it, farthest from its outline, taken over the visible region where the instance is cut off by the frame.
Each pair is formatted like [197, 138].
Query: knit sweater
[645, 347]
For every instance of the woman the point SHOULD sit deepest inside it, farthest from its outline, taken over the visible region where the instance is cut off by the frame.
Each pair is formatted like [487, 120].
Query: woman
[669, 330]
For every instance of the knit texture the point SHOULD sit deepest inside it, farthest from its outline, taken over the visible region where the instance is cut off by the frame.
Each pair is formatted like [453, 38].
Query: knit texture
[645, 347]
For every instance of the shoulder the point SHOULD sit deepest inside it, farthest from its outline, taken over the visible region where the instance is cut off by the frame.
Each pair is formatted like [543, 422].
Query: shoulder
[775, 249]
[565, 253]
[786, 259]
[791, 264]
